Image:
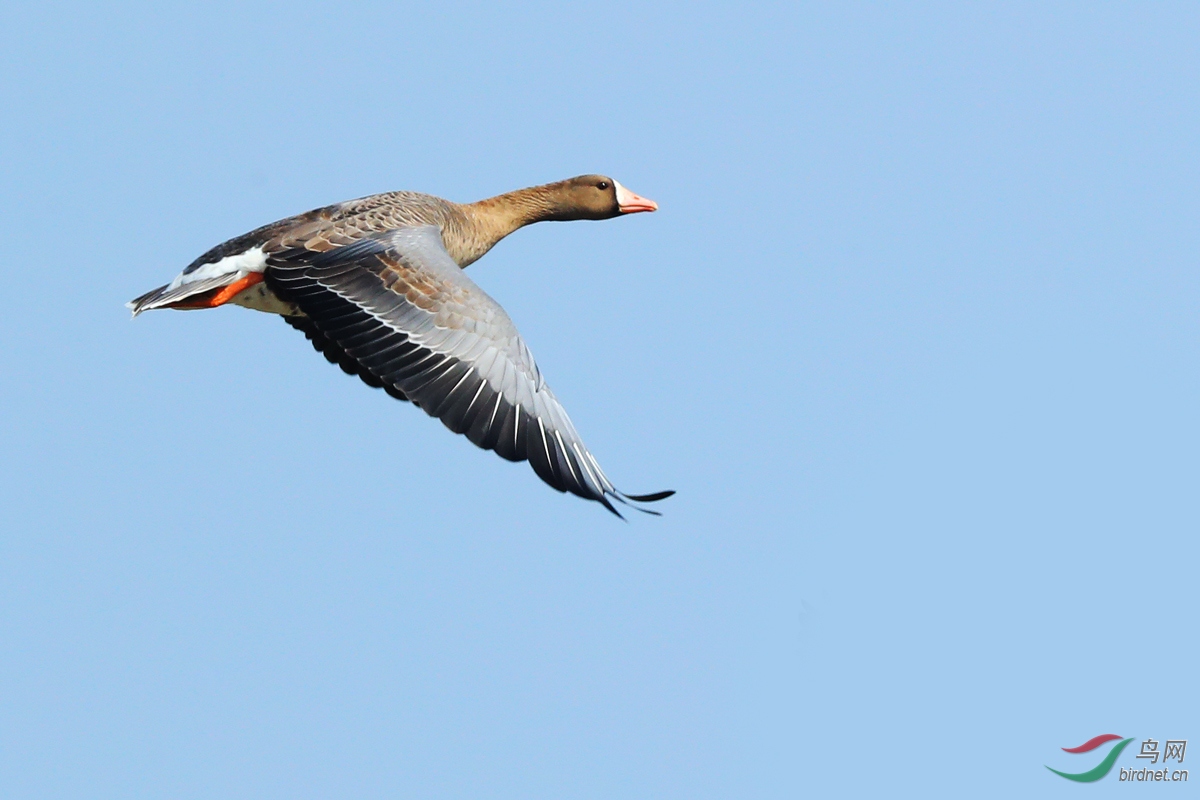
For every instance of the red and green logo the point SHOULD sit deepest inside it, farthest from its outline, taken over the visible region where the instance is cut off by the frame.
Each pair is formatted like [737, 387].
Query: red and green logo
[1104, 767]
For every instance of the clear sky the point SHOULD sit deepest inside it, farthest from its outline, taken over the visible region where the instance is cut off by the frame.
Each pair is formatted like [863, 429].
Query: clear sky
[915, 336]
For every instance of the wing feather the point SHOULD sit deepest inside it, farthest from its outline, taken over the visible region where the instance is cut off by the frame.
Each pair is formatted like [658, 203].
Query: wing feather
[394, 309]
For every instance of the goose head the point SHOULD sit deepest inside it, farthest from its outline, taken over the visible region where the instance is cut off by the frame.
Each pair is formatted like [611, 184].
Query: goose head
[595, 197]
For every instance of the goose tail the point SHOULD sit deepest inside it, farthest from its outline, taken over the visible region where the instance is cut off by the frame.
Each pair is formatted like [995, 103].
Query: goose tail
[203, 293]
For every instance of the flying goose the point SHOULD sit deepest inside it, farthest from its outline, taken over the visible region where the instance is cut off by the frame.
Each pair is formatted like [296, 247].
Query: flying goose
[377, 285]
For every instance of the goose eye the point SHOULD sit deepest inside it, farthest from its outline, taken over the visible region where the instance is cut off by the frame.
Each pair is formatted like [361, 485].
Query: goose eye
[602, 185]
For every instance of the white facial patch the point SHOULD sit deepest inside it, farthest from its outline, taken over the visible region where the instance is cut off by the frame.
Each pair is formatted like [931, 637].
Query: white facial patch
[624, 196]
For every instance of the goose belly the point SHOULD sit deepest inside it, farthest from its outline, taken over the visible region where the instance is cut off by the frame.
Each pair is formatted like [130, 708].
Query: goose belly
[261, 298]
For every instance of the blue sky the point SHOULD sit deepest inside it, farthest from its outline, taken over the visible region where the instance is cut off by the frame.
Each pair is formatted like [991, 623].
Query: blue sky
[914, 336]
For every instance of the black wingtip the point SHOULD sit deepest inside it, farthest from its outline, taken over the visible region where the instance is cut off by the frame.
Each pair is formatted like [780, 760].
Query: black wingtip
[610, 507]
[625, 500]
[651, 498]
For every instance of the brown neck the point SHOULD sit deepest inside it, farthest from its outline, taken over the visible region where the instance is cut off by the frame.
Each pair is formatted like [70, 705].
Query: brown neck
[492, 220]
[503, 214]
[488, 221]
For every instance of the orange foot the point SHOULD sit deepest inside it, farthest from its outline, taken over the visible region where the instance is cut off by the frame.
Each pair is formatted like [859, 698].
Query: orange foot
[219, 297]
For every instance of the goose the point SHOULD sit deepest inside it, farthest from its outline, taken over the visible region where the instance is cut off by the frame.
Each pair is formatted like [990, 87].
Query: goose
[377, 286]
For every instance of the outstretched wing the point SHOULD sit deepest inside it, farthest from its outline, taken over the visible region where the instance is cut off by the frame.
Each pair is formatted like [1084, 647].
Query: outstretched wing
[395, 309]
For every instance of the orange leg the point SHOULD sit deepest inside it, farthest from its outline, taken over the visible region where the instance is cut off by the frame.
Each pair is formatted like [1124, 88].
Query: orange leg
[225, 295]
